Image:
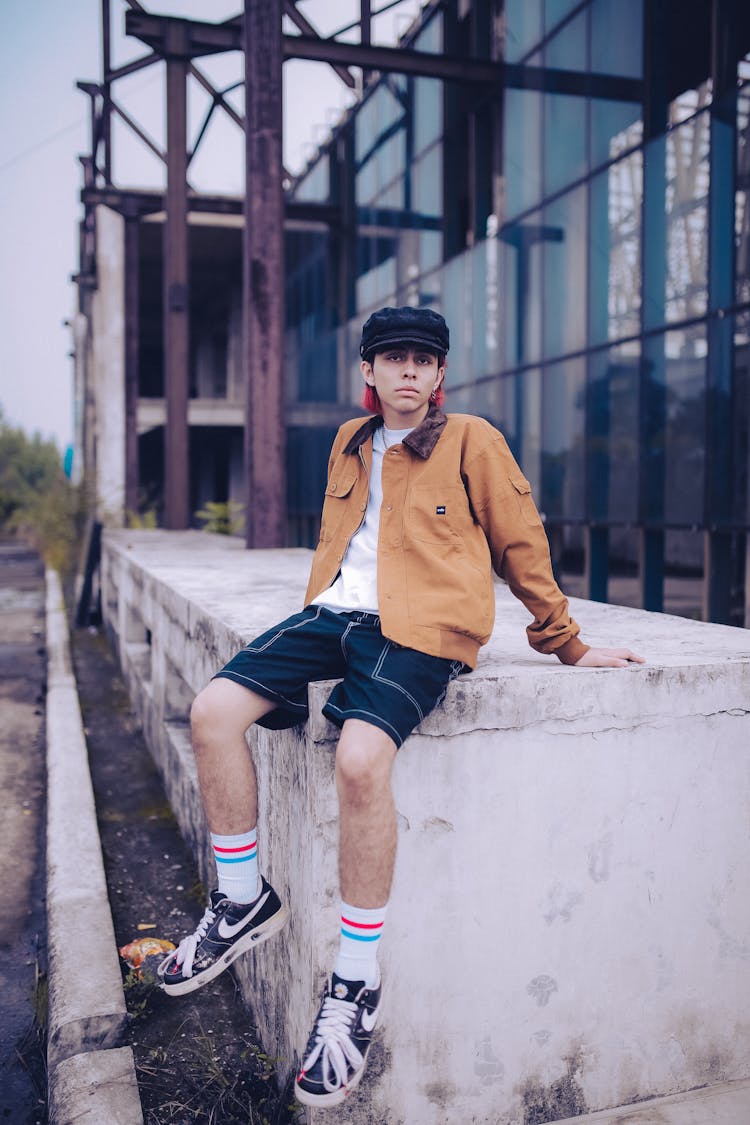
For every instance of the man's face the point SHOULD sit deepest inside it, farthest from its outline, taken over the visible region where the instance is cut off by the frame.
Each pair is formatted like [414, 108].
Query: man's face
[404, 377]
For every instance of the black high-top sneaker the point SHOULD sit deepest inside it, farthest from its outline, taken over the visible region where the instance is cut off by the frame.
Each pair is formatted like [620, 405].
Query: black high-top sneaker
[336, 1051]
[225, 931]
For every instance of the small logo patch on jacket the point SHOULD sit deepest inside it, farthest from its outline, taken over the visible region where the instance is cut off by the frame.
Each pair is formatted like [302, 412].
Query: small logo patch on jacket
[440, 510]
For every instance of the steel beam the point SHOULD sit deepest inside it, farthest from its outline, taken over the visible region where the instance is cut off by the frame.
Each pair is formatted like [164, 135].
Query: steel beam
[175, 318]
[208, 38]
[263, 278]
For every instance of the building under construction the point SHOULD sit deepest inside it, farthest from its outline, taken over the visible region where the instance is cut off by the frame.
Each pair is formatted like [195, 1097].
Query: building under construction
[565, 180]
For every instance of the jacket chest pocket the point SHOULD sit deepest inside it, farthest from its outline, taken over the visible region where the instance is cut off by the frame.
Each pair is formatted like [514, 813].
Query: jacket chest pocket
[439, 514]
[337, 502]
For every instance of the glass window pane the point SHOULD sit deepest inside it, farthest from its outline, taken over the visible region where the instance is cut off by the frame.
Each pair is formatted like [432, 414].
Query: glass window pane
[741, 420]
[612, 433]
[687, 172]
[563, 470]
[523, 27]
[565, 145]
[568, 49]
[528, 427]
[563, 236]
[428, 112]
[556, 10]
[522, 150]
[427, 183]
[315, 187]
[742, 207]
[615, 251]
[676, 370]
[617, 37]
[615, 128]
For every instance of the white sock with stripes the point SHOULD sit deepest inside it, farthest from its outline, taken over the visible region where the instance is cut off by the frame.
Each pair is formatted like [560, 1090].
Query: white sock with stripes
[358, 948]
[237, 865]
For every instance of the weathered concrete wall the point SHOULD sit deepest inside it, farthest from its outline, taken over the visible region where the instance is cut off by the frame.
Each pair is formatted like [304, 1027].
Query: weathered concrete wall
[106, 372]
[569, 922]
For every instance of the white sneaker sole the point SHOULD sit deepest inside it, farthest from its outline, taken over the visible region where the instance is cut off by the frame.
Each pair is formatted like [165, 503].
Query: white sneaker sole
[336, 1097]
[242, 945]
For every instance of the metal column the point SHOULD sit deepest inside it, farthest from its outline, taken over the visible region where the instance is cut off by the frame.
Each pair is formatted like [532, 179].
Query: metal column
[263, 278]
[132, 232]
[176, 323]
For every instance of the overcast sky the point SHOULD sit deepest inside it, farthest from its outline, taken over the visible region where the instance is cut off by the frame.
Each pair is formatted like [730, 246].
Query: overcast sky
[45, 47]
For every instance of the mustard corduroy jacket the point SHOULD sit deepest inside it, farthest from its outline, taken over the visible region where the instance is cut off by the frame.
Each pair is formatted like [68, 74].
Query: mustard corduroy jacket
[455, 506]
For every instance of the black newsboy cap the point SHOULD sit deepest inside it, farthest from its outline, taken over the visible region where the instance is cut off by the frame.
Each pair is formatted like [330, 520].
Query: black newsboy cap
[404, 326]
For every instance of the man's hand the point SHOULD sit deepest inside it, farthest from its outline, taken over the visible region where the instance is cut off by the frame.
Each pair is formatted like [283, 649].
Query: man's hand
[608, 658]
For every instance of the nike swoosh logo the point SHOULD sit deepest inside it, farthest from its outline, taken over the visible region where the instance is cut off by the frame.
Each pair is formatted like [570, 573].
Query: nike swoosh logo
[369, 1019]
[225, 930]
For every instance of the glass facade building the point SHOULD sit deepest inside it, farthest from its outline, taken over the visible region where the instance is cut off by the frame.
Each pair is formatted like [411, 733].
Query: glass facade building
[584, 227]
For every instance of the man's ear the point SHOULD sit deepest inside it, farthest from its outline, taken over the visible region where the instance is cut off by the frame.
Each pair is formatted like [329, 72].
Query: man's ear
[367, 373]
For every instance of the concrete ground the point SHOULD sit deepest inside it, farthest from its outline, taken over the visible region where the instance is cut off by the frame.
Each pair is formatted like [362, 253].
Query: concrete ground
[22, 783]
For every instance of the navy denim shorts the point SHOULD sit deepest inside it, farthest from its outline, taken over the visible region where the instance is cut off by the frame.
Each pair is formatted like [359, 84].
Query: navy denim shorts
[392, 687]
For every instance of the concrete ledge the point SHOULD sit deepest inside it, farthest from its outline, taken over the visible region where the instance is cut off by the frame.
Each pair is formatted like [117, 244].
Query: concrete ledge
[727, 1104]
[86, 1003]
[96, 1088]
[569, 918]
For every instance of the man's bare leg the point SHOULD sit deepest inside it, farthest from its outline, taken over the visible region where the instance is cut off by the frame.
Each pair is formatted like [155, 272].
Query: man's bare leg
[232, 923]
[367, 814]
[219, 718]
[335, 1056]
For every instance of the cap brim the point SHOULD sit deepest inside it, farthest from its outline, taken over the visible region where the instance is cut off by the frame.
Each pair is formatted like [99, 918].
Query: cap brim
[405, 338]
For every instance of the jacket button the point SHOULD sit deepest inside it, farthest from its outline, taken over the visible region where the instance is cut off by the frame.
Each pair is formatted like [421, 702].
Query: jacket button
[333, 487]
[389, 507]
[362, 507]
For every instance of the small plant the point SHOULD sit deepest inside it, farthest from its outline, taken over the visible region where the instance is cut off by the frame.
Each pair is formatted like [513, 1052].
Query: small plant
[141, 521]
[222, 517]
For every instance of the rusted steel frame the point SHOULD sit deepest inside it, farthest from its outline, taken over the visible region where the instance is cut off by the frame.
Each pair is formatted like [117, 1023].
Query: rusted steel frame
[175, 316]
[290, 9]
[208, 38]
[138, 132]
[132, 233]
[358, 22]
[299, 214]
[134, 66]
[263, 279]
[106, 118]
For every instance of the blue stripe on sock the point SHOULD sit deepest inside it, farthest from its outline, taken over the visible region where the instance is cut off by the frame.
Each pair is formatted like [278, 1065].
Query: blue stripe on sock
[240, 859]
[360, 937]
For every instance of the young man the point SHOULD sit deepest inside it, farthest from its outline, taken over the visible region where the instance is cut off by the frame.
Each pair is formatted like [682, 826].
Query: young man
[419, 509]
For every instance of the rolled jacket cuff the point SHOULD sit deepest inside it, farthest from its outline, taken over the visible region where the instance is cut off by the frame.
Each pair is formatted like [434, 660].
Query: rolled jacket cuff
[572, 651]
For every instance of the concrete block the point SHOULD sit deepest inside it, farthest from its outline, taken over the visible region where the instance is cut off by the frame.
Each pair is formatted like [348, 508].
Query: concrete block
[93, 1088]
[568, 924]
[86, 1002]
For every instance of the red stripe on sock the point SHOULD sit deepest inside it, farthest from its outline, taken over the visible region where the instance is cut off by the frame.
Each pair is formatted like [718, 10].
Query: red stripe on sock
[362, 925]
[246, 848]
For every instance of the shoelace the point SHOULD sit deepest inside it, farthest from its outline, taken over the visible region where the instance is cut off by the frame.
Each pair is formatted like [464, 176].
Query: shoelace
[333, 1042]
[184, 954]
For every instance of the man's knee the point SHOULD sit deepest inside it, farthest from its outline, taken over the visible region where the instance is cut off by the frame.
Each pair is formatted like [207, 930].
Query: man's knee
[224, 708]
[363, 761]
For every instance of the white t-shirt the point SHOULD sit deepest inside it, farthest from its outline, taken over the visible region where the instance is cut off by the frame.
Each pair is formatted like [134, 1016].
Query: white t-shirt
[356, 587]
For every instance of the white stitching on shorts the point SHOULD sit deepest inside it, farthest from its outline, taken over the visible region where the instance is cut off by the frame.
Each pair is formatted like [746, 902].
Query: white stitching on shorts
[265, 690]
[352, 711]
[392, 683]
[272, 640]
